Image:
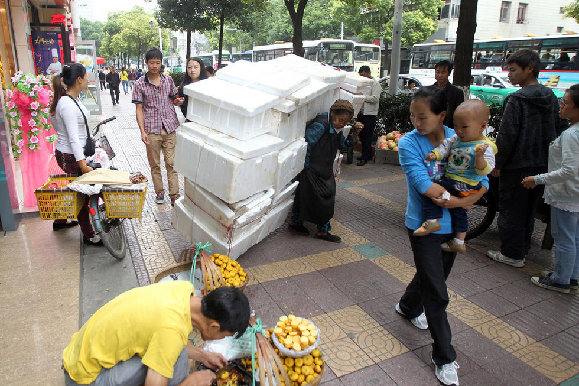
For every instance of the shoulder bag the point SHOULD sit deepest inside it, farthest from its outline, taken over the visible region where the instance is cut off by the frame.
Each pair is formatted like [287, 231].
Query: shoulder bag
[89, 147]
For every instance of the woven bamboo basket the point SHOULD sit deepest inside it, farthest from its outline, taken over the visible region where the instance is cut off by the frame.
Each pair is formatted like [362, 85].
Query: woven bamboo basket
[186, 266]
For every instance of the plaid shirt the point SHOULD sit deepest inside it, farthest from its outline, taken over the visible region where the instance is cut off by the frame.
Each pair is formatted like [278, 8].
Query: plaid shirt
[157, 104]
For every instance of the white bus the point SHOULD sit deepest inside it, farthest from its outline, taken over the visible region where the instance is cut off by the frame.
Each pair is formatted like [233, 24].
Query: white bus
[211, 59]
[368, 55]
[333, 52]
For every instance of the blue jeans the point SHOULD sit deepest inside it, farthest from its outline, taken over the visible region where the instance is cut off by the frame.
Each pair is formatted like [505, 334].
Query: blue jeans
[125, 86]
[565, 231]
[133, 372]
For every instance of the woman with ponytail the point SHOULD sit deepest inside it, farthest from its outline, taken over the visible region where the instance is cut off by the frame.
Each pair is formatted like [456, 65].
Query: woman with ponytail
[68, 118]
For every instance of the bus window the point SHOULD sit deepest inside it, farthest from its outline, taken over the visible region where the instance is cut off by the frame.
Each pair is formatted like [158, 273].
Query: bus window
[337, 55]
[438, 55]
[419, 60]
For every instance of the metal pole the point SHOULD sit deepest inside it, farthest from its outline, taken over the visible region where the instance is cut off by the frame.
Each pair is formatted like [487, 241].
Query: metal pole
[396, 41]
[342, 32]
[160, 40]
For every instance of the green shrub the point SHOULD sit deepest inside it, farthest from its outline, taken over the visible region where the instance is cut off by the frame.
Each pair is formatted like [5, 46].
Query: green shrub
[393, 114]
[177, 77]
[496, 110]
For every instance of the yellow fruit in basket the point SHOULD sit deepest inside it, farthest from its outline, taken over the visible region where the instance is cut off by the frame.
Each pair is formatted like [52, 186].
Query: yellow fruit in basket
[298, 370]
[291, 317]
[318, 361]
[293, 333]
[314, 332]
[310, 378]
[297, 347]
[301, 378]
[293, 377]
[278, 331]
[316, 353]
[306, 333]
[307, 370]
[308, 360]
[298, 319]
[289, 362]
[304, 341]
[318, 369]
[312, 339]
[299, 362]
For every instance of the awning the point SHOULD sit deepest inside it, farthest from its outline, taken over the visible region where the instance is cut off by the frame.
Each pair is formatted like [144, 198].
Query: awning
[100, 60]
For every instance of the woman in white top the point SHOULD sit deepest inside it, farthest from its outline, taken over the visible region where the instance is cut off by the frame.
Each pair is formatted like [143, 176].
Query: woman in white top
[69, 123]
[562, 193]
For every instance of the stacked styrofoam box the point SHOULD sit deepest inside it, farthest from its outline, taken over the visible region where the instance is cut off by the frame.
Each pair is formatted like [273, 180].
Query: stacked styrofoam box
[244, 146]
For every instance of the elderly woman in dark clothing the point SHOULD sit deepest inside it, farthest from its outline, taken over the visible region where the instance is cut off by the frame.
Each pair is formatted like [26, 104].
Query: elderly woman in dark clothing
[316, 192]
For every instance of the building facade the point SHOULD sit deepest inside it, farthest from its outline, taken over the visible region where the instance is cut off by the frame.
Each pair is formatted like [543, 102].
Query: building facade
[508, 19]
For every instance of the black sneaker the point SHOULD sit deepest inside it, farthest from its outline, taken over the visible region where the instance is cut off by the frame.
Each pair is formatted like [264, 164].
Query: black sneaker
[299, 229]
[550, 284]
[62, 225]
[573, 283]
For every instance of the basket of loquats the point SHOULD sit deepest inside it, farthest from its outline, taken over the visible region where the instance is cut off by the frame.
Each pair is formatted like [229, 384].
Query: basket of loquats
[295, 337]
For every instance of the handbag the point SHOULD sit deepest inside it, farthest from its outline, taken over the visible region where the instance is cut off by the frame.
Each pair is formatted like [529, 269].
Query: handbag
[89, 146]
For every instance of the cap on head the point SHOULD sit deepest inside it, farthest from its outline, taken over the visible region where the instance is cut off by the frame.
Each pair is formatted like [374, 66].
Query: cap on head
[342, 104]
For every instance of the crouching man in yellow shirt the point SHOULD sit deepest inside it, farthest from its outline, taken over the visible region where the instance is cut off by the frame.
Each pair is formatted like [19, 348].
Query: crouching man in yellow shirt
[140, 337]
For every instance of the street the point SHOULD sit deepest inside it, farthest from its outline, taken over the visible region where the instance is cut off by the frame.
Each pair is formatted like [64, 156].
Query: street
[506, 331]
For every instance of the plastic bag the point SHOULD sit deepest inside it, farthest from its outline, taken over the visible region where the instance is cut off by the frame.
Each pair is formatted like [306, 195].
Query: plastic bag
[231, 348]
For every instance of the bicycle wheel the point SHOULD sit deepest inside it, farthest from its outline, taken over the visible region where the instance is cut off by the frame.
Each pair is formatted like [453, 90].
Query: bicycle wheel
[481, 216]
[113, 234]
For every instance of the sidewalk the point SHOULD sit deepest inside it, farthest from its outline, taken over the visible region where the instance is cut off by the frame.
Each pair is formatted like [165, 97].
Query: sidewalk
[506, 331]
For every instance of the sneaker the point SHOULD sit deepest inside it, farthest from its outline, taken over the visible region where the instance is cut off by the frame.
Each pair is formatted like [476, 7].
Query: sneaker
[550, 284]
[174, 198]
[499, 257]
[453, 246]
[95, 241]
[427, 228]
[160, 199]
[62, 225]
[573, 284]
[419, 322]
[446, 373]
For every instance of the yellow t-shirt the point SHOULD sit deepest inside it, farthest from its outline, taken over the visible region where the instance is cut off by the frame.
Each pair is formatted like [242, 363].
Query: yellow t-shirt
[152, 322]
[124, 75]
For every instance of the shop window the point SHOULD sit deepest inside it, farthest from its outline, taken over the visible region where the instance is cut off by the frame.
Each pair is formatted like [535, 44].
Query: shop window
[522, 13]
[505, 11]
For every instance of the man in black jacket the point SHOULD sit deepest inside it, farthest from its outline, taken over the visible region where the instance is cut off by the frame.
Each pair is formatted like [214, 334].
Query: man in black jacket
[454, 95]
[102, 79]
[114, 80]
[530, 122]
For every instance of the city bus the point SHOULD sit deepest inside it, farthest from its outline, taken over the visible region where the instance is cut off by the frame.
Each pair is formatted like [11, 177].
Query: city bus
[173, 63]
[247, 56]
[368, 55]
[211, 59]
[333, 52]
[558, 53]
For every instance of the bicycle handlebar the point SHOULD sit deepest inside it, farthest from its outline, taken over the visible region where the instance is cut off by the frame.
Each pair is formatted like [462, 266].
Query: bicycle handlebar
[96, 130]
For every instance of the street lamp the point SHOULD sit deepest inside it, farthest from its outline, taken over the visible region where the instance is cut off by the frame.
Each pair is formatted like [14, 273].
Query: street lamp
[152, 23]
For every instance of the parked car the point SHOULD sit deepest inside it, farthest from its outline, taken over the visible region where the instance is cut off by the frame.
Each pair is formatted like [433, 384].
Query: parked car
[405, 81]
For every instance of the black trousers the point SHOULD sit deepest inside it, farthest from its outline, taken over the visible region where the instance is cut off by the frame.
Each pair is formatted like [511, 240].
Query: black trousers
[427, 291]
[114, 90]
[517, 211]
[103, 85]
[367, 134]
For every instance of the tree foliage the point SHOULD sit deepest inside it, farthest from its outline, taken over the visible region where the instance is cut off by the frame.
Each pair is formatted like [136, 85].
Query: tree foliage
[92, 30]
[572, 10]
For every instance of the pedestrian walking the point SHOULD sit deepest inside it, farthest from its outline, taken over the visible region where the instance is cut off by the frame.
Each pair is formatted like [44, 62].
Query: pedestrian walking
[132, 79]
[114, 80]
[194, 73]
[155, 96]
[425, 300]
[102, 80]
[140, 337]
[530, 123]
[125, 80]
[562, 193]
[139, 74]
[316, 193]
[454, 95]
[367, 116]
[68, 116]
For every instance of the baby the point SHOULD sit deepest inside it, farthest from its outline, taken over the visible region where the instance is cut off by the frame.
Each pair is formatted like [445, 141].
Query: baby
[471, 156]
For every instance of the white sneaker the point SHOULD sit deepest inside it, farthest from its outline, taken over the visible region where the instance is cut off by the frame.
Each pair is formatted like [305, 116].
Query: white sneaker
[499, 257]
[447, 373]
[420, 321]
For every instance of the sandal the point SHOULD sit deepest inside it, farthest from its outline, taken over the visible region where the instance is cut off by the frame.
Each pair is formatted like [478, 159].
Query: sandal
[300, 229]
[328, 237]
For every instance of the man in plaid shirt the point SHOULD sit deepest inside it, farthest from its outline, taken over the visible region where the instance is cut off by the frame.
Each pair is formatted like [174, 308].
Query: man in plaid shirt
[155, 96]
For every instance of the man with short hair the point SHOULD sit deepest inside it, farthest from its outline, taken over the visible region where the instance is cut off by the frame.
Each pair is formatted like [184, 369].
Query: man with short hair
[141, 336]
[55, 68]
[114, 80]
[367, 116]
[155, 96]
[454, 95]
[530, 123]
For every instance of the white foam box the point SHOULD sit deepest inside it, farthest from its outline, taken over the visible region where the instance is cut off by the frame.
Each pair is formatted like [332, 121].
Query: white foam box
[194, 231]
[238, 214]
[356, 84]
[289, 126]
[263, 77]
[247, 149]
[275, 218]
[310, 92]
[284, 194]
[317, 70]
[238, 111]
[228, 177]
[356, 100]
[323, 103]
[290, 163]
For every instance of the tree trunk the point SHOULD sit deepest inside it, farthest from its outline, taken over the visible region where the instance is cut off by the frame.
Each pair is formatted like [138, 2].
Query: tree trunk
[221, 25]
[297, 17]
[464, 40]
[188, 45]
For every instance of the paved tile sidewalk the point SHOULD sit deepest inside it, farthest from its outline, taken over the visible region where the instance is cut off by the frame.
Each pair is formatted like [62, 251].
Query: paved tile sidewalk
[505, 330]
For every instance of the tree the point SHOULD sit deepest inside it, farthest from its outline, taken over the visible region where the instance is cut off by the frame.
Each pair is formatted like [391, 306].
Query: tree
[92, 30]
[572, 10]
[184, 15]
[464, 39]
[297, 17]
